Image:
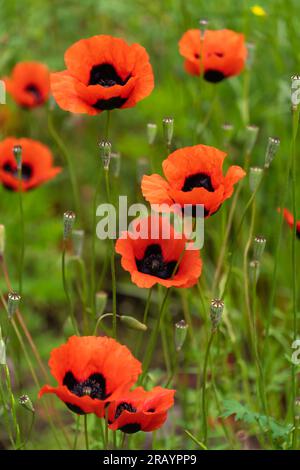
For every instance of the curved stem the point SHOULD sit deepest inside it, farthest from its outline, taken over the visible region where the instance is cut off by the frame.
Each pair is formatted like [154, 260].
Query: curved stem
[66, 289]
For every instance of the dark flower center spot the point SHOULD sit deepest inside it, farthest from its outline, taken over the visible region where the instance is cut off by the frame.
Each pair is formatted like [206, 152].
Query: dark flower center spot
[131, 428]
[153, 263]
[34, 91]
[199, 180]
[94, 386]
[109, 104]
[26, 171]
[298, 233]
[106, 75]
[122, 407]
[213, 76]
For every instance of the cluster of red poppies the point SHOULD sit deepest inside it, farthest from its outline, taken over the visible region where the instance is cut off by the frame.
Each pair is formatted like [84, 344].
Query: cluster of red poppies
[95, 375]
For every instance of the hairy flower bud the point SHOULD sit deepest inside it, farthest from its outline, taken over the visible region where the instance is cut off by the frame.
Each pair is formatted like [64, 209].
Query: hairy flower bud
[133, 323]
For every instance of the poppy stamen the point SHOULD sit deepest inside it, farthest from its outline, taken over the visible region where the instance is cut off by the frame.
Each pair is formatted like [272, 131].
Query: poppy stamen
[214, 76]
[106, 76]
[153, 263]
[26, 171]
[122, 407]
[94, 386]
[35, 92]
[199, 180]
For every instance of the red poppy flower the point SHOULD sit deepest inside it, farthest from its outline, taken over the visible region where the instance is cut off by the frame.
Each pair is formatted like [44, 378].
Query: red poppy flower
[37, 164]
[194, 176]
[29, 84]
[288, 216]
[91, 371]
[220, 54]
[103, 73]
[151, 251]
[140, 410]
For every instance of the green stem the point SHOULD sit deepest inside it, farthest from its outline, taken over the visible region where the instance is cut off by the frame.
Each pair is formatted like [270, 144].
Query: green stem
[76, 432]
[204, 405]
[294, 272]
[112, 263]
[66, 289]
[22, 231]
[86, 434]
[145, 319]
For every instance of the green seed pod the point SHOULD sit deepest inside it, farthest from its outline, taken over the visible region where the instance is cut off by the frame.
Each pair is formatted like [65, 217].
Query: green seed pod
[78, 239]
[255, 176]
[216, 311]
[259, 245]
[2, 240]
[105, 153]
[69, 220]
[272, 149]
[25, 401]
[101, 301]
[168, 127]
[13, 303]
[151, 132]
[133, 323]
[181, 328]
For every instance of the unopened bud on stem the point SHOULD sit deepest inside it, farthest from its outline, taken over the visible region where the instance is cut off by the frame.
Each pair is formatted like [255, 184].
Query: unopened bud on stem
[133, 323]
[181, 328]
[295, 91]
[69, 219]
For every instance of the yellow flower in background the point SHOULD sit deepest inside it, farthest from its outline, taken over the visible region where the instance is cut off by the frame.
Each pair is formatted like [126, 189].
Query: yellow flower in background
[258, 10]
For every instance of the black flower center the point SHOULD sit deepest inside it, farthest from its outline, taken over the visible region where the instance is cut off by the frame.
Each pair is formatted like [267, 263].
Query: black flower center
[106, 75]
[26, 171]
[94, 386]
[34, 91]
[298, 233]
[122, 407]
[213, 76]
[153, 263]
[199, 180]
